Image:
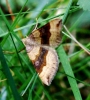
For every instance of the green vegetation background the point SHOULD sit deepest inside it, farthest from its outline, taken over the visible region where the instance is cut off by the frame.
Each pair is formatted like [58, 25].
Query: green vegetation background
[18, 79]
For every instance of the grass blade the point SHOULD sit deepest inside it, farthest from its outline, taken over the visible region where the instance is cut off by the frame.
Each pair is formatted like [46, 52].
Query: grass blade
[9, 76]
[67, 68]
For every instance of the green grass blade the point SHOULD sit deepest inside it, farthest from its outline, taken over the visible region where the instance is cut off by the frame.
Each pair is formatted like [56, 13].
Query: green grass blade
[67, 11]
[11, 27]
[29, 84]
[9, 76]
[11, 31]
[17, 18]
[67, 68]
[88, 98]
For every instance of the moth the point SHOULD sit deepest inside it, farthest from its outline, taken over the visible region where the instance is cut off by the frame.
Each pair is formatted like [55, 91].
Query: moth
[40, 46]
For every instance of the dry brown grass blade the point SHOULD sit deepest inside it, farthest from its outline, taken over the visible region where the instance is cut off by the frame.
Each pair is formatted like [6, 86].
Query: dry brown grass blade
[13, 17]
[10, 10]
[85, 49]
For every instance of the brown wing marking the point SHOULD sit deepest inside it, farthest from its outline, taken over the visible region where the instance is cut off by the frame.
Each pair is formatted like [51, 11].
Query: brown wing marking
[49, 34]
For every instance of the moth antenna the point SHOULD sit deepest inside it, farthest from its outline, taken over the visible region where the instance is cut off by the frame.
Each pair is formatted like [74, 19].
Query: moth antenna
[36, 24]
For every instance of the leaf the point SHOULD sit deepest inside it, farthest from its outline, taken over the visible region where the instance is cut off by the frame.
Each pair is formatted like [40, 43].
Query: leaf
[85, 4]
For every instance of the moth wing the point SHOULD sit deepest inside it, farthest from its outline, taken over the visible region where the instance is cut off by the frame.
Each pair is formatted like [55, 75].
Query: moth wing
[43, 57]
[49, 70]
[48, 34]
[45, 61]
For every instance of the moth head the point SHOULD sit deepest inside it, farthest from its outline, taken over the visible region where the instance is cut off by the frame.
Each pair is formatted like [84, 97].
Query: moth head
[28, 41]
[28, 44]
